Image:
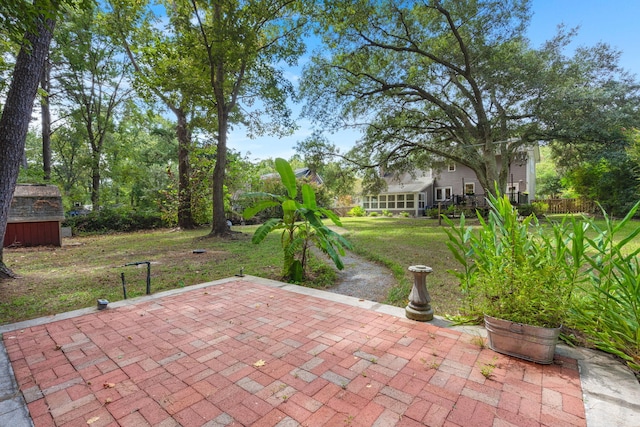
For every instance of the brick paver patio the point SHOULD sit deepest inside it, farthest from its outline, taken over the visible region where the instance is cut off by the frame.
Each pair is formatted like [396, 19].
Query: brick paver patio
[244, 353]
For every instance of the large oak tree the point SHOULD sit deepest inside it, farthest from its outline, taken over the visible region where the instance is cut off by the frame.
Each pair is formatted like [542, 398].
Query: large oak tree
[458, 81]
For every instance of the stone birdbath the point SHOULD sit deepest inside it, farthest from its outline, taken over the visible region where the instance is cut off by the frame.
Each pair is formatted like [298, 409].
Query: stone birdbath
[419, 307]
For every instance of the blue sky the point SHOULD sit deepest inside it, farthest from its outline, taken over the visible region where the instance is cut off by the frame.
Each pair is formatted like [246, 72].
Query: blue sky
[614, 22]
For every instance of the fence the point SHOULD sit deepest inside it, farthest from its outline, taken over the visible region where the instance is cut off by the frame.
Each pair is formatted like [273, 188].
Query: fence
[564, 206]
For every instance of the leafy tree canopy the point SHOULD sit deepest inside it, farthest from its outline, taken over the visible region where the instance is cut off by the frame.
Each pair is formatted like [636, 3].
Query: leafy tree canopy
[458, 80]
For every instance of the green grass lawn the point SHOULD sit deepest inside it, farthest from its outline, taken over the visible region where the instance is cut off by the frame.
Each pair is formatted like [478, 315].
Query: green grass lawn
[402, 242]
[55, 280]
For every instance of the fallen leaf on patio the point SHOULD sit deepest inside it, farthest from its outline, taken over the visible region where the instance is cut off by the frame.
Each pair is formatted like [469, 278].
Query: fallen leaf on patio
[129, 337]
[368, 385]
[58, 347]
[108, 400]
[259, 363]
[92, 420]
[108, 385]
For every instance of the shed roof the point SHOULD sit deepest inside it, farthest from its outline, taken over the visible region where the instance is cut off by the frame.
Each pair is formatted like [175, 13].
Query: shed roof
[36, 190]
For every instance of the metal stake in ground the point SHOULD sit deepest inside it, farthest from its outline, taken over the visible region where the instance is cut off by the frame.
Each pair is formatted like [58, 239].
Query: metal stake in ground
[419, 307]
[148, 274]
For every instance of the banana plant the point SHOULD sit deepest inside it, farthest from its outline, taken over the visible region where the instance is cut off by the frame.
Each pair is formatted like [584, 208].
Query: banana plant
[301, 225]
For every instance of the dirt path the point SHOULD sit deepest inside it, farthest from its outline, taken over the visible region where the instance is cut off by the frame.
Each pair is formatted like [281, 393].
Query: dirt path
[363, 279]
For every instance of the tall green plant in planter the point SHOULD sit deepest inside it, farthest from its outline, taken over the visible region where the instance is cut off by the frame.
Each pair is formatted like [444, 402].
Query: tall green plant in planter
[301, 225]
[519, 277]
[514, 269]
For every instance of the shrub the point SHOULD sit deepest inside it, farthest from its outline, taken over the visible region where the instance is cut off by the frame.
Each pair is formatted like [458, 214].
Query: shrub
[357, 211]
[115, 219]
[431, 213]
[386, 212]
[404, 214]
[373, 214]
[536, 208]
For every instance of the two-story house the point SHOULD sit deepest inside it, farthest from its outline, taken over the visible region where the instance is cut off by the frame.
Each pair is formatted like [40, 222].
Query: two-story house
[451, 183]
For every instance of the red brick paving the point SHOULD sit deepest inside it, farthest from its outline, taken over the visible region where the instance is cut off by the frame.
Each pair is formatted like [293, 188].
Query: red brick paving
[190, 360]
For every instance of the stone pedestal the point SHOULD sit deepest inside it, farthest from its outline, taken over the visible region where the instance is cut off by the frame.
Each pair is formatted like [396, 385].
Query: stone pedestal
[419, 307]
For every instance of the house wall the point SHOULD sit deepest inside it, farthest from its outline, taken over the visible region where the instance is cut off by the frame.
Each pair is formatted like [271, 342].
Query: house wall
[460, 180]
[454, 181]
[463, 175]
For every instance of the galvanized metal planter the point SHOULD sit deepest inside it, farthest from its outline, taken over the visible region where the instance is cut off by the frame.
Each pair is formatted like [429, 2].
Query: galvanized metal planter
[519, 340]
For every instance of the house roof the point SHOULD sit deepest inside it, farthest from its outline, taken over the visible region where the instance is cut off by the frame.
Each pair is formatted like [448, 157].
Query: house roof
[406, 183]
[299, 173]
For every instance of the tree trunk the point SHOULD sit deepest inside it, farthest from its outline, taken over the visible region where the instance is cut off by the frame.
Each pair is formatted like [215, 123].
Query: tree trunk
[219, 219]
[185, 217]
[95, 184]
[46, 121]
[16, 115]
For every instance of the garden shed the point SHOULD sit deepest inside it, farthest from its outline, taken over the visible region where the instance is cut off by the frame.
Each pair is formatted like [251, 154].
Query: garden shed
[35, 216]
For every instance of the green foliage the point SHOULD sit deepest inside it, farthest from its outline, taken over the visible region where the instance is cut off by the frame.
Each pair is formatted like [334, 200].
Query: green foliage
[549, 182]
[544, 276]
[431, 213]
[611, 180]
[338, 177]
[275, 186]
[301, 224]
[443, 78]
[373, 214]
[386, 212]
[404, 214]
[115, 219]
[357, 211]
[536, 208]
[609, 310]
[512, 269]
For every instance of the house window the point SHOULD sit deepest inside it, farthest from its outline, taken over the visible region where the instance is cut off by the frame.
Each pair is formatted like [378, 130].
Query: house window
[400, 201]
[469, 188]
[374, 202]
[513, 187]
[383, 202]
[365, 202]
[391, 201]
[452, 167]
[421, 202]
[410, 201]
[443, 193]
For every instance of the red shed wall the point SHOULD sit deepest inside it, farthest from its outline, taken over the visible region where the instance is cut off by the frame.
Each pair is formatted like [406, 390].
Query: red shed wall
[33, 234]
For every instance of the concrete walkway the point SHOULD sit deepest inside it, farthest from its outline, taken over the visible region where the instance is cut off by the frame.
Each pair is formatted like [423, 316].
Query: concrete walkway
[249, 351]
